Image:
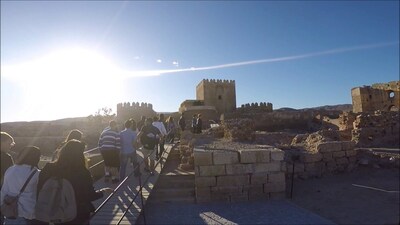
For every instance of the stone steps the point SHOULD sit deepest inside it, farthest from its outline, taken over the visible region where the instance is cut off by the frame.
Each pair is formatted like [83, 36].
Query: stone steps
[175, 181]
[174, 184]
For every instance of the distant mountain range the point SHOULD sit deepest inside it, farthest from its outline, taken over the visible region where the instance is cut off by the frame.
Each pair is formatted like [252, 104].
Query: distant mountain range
[341, 107]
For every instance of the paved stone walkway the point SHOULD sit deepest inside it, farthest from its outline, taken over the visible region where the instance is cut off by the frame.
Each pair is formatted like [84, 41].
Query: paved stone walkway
[265, 212]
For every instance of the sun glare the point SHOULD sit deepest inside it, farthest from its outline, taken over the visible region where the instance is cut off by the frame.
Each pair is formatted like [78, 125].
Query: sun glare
[67, 82]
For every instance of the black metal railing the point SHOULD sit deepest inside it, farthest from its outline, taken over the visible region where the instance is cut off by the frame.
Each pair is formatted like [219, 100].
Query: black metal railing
[96, 164]
[140, 191]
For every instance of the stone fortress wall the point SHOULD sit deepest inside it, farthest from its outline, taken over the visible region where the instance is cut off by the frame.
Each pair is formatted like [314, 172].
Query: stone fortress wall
[233, 176]
[380, 96]
[255, 106]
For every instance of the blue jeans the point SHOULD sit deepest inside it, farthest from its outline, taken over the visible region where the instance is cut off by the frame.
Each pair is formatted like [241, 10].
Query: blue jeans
[124, 157]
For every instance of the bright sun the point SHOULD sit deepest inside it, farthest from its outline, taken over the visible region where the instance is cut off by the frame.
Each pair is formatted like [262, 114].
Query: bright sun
[68, 82]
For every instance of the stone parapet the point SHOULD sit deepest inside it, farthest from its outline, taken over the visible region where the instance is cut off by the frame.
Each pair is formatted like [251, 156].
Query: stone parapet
[243, 175]
[330, 157]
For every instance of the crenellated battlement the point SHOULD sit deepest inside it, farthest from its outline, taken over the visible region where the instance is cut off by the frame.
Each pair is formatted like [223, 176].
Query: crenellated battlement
[134, 105]
[390, 86]
[134, 110]
[217, 81]
[264, 106]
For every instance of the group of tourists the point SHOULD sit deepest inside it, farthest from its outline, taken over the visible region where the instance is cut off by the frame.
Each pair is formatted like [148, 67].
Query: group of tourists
[119, 149]
[60, 193]
[197, 124]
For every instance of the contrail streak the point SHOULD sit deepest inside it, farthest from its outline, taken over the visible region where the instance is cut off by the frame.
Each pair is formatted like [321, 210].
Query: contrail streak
[279, 59]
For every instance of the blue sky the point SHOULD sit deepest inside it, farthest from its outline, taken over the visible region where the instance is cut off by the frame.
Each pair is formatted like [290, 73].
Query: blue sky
[69, 58]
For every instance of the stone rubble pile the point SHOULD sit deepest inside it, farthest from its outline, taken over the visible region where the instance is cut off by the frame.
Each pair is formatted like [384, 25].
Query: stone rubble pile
[346, 120]
[239, 129]
[329, 157]
[186, 147]
[319, 153]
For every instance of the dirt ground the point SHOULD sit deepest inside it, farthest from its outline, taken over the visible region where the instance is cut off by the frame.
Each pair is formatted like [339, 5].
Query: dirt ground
[364, 196]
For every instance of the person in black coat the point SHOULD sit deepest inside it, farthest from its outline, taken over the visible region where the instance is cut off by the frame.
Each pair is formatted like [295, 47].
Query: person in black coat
[71, 166]
[199, 124]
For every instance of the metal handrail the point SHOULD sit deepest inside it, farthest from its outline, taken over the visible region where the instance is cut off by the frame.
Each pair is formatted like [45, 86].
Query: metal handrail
[117, 188]
[91, 150]
[114, 191]
[141, 192]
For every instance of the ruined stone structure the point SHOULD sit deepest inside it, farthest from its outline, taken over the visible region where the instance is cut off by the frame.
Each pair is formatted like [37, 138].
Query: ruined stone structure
[376, 130]
[135, 110]
[239, 129]
[381, 96]
[328, 157]
[234, 176]
[218, 93]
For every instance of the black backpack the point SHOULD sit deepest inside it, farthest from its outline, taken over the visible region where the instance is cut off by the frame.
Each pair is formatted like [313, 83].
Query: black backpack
[149, 138]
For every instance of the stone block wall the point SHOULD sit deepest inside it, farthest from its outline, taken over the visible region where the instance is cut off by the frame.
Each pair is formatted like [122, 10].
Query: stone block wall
[377, 129]
[330, 157]
[232, 176]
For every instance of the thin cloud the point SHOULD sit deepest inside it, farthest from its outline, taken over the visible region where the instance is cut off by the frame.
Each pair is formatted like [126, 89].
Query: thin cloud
[271, 60]
[40, 68]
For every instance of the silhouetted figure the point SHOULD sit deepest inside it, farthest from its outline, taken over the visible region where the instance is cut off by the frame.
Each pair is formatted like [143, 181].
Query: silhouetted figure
[70, 165]
[171, 130]
[73, 134]
[149, 137]
[128, 147]
[7, 142]
[194, 123]
[141, 123]
[109, 144]
[182, 122]
[199, 124]
[159, 123]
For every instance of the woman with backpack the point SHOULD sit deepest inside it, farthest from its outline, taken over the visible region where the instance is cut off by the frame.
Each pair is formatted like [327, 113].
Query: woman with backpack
[70, 167]
[20, 182]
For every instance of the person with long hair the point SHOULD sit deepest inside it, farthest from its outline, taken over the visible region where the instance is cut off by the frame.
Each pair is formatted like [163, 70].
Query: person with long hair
[73, 134]
[70, 165]
[24, 171]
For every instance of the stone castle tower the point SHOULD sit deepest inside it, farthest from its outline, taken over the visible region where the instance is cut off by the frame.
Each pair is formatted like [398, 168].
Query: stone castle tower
[218, 93]
[383, 97]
